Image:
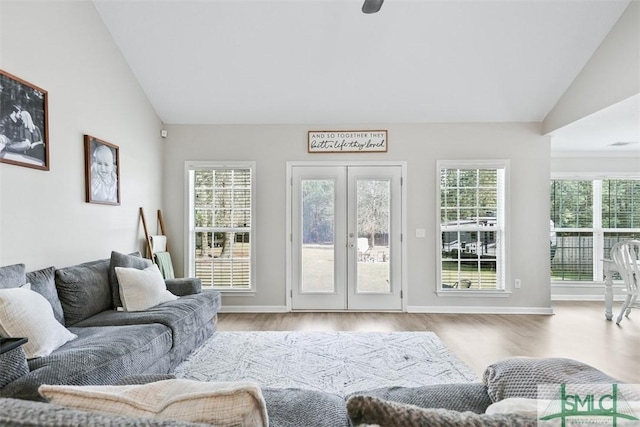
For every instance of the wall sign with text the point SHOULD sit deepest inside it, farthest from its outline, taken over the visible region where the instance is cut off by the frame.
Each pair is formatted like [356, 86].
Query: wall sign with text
[353, 141]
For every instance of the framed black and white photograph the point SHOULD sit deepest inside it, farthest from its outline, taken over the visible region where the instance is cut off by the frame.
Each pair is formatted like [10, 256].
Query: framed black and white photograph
[102, 171]
[24, 133]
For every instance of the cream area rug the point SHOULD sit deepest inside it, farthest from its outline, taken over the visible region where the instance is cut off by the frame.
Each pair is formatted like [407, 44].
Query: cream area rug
[334, 362]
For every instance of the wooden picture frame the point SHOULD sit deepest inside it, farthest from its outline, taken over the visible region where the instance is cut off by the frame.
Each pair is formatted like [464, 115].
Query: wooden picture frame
[102, 171]
[24, 124]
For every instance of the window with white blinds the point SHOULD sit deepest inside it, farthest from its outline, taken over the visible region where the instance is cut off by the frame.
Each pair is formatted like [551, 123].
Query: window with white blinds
[220, 226]
[472, 226]
[621, 204]
[589, 216]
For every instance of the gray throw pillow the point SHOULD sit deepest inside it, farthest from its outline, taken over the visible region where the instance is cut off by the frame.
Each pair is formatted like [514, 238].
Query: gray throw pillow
[520, 376]
[44, 282]
[84, 290]
[12, 276]
[366, 410]
[455, 397]
[118, 259]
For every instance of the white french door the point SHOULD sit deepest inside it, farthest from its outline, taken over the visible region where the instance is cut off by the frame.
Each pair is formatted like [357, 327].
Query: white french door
[346, 238]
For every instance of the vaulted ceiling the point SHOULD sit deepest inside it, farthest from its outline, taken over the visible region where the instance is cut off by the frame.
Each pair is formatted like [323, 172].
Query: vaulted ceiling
[325, 62]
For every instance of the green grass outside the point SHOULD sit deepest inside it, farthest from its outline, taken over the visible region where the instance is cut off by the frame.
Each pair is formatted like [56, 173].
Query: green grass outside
[318, 270]
[486, 278]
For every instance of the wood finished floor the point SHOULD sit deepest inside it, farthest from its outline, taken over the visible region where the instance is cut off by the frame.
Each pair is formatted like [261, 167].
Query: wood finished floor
[577, 330]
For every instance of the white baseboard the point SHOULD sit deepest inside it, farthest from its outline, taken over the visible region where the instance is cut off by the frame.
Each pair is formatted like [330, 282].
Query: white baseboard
[253, 309]
[410, 309]
[479, 310]
[584, 298]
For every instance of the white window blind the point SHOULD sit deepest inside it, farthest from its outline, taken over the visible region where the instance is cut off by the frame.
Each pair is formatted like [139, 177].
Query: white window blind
[221, 244]
[472, 226]
[589, 217]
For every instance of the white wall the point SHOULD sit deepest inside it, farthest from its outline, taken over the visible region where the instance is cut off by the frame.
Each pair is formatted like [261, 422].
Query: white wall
[63, 47]
[604, 166]
[611, 75]
[420, 145]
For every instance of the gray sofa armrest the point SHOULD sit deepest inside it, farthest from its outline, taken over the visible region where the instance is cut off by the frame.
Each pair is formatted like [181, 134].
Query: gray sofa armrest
[182, 287]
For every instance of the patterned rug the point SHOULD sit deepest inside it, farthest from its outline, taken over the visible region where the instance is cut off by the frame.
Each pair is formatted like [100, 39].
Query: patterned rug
[335, 362]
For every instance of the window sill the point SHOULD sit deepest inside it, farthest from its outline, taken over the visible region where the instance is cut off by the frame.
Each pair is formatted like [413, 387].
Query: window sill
[233, 292]
[456, 293]
[585, 284]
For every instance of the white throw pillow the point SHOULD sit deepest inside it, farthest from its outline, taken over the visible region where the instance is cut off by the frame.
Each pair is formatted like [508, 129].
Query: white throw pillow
[514, 405]
[219, 404]
[538, 407]
[25, 313]
[142, 289]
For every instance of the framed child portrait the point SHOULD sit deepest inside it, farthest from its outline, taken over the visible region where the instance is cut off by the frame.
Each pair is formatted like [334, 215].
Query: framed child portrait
[24, 139]
[102, 171]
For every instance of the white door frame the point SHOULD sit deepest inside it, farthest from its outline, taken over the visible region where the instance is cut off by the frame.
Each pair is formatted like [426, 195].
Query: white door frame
[289, 230]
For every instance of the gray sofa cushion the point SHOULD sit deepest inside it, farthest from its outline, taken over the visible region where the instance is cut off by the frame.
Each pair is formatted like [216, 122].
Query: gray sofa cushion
[22, 413]
[520, 376]
[101, 355]
[44, 282]
[290, 407]
[12, 276]
[84, 290]
[371, 410]
[118, 259]
[455, 397]
[185, 316]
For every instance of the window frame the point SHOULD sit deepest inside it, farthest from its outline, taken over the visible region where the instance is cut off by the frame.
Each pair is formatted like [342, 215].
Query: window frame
[503, 284]
[190, 229]
[597, 230]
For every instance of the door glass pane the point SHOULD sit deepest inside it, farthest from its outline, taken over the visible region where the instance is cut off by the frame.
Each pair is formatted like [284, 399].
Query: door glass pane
[374, 202]
[318, 220]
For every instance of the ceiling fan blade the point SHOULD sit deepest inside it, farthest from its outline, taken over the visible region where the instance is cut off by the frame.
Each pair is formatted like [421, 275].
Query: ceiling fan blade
[371, 6]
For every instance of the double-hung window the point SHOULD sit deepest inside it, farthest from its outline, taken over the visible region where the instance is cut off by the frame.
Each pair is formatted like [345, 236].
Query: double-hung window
[472, 225]
[220, 225]
[589, 216]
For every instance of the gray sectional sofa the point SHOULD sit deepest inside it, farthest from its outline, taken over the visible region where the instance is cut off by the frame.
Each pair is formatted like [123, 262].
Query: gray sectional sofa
[111, 344]
[449, 405]
[117, 347]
